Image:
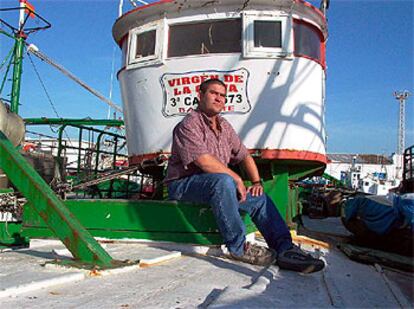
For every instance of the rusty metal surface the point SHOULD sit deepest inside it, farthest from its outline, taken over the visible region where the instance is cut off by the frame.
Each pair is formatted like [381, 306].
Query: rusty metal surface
[50, 208]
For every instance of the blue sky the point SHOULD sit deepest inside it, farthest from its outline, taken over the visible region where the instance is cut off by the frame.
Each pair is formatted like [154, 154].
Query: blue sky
[370, 55]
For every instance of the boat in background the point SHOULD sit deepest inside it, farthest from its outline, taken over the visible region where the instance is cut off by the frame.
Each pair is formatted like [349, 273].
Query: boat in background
[367, 173]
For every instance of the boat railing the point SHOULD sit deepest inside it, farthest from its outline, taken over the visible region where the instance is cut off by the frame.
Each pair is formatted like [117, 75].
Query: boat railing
[90, 162]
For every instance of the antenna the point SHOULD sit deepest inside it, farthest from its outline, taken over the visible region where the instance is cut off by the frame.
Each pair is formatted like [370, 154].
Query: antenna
[401, 96]
[134, 2]
[324, 6]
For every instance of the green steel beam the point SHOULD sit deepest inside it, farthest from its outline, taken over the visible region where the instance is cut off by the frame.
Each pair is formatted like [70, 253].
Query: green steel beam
[17, 73]
[6, 74]
[71, 121]
[277, 175]
[51, 209]
[278, 190]
[7, 34]
[145, 219]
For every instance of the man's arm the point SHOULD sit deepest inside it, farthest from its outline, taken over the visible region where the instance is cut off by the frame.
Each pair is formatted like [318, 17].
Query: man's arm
[250, 167]
[210, 164]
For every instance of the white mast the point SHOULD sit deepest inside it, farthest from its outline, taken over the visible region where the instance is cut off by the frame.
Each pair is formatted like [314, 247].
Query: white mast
[401, 96]
[21, 15]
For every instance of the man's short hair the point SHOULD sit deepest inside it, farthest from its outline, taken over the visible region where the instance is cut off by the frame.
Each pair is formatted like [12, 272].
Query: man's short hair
[204, 85]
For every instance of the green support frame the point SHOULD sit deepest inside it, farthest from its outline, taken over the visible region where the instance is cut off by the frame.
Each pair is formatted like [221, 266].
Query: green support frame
[173, 221]
[17, 72]
[51, 209]
[279, 177]
[71, 121]
[128, 219]
[11, 235]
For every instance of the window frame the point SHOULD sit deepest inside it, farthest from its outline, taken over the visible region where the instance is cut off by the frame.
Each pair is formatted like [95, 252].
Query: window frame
[251, 51]
[160, 27]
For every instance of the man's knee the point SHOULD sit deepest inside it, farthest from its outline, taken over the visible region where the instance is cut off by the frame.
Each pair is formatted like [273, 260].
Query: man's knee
[254, 203]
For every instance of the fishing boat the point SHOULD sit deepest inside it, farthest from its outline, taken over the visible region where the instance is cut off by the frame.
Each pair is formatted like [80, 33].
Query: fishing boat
[271, 57]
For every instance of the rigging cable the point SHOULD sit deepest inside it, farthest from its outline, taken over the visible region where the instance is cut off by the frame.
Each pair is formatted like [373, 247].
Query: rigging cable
[44, 87]
[7, 69]
[48, 96]
[35, 51]
[112, 82]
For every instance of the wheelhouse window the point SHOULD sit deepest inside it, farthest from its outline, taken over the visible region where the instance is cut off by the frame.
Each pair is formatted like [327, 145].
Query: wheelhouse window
[222, 36]
[309, 41]
[146, 44]
[267, 35]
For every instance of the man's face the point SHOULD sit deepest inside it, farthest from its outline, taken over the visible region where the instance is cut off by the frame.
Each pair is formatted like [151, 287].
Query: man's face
[213, 100]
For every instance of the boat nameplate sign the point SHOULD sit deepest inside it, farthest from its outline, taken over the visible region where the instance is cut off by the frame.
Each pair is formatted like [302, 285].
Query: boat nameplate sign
[181, 91]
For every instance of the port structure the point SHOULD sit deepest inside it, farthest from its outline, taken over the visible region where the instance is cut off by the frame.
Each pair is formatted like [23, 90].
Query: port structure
[401, 96]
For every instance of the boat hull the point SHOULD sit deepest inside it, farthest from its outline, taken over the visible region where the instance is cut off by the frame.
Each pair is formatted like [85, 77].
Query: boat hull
[283, 115]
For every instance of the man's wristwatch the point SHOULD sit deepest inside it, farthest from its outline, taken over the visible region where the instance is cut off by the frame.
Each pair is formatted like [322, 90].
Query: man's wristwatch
[259, 182]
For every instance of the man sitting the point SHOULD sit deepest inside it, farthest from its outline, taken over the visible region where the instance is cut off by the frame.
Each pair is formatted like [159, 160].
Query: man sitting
[204, 143]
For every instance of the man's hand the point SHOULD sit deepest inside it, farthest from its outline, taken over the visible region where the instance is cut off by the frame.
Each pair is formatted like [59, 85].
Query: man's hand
[250, 168]
[256, 189]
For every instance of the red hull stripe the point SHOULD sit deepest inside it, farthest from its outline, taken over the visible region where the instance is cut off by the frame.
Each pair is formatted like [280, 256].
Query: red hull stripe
[268, 154]
[285, 154]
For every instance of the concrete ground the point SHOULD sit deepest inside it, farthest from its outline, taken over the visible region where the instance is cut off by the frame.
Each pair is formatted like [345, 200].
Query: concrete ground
[182, 276]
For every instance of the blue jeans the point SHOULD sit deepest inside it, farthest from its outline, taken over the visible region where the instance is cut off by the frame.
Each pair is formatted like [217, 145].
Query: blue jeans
[219, 191]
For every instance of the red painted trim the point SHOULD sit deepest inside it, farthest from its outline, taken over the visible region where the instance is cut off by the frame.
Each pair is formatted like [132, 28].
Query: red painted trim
[286, 154]
[307, 4]
[145, 7]
[323, 54]
[267, 154]
[121, 41]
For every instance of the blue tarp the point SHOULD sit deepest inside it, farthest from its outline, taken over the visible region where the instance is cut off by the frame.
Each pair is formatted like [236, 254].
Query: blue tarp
[379, 216]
